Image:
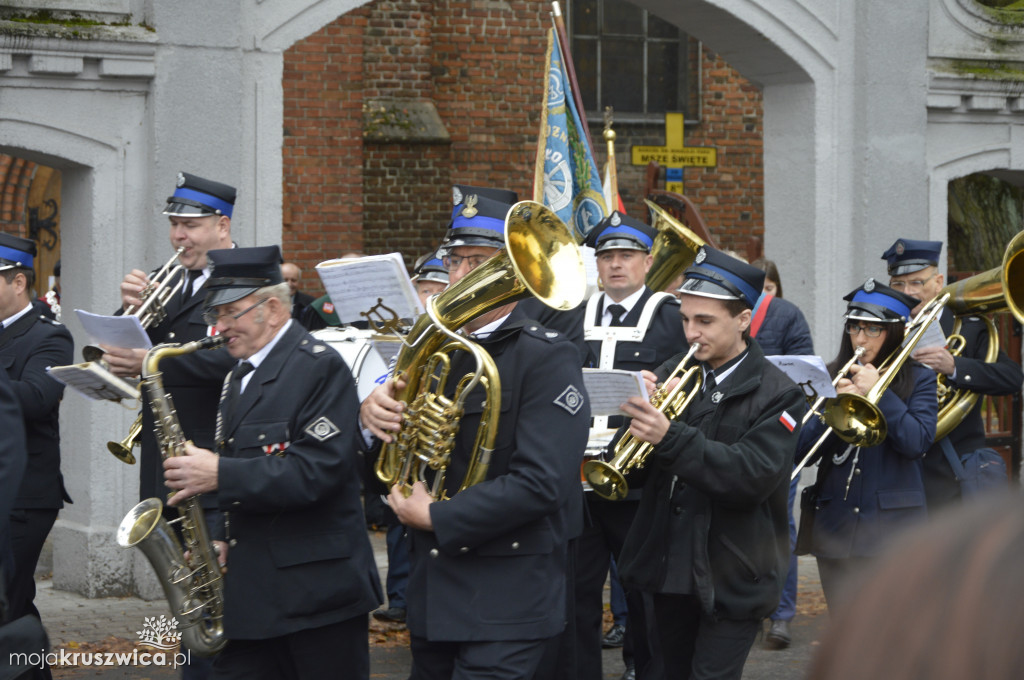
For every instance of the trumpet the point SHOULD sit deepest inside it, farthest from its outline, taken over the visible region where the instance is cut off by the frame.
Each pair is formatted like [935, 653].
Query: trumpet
[608, 480]
[155, 296]
[122, 450]
[856, 419]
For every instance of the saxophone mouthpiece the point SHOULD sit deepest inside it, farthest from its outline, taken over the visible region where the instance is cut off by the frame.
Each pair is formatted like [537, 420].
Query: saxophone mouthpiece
[212, 341]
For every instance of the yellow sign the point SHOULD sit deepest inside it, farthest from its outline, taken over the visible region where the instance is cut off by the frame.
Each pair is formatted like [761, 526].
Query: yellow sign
[692, 156]
[674, 154]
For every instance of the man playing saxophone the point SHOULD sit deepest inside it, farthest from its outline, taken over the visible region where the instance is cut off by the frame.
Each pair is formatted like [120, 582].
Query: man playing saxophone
[913, 269]
[487, 587]
[300, 575]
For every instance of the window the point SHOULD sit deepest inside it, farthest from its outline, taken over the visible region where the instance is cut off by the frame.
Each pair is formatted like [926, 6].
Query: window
[633, 61]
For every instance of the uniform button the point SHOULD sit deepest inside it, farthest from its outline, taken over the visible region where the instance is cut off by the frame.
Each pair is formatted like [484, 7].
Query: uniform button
[170, 336]
[236, 503]
[515, 545]
[967, 378]
[231, 440]
[262, 437]
[636, 354]
[463, 549]
[233, 542]
[533, 328]
[856, 471]
[856, 511]
[677, 509]
[433, 552]
[304, 342]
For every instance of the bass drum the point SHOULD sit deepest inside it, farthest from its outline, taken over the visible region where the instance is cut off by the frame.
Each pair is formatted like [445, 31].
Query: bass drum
[355, 345]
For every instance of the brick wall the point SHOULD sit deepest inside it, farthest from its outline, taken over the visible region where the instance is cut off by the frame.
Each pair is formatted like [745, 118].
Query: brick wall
[481, 64]
[15, 179]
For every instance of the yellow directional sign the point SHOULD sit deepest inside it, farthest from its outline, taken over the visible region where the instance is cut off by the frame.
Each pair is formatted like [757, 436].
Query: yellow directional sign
[674, 154]
[692, 156]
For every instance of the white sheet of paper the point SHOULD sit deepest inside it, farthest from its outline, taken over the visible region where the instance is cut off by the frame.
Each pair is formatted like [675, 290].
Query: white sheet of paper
[809, 372]
[933, 336]
[117, 331]
[609, 388]
[590, 269]
[355, 285]
[93, 381]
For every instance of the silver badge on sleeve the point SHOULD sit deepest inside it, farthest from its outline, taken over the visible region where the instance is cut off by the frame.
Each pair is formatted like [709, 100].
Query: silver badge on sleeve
[571, 399]
[322, 429]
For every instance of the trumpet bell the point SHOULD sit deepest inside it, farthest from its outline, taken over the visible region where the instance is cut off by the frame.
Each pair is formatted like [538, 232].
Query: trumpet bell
[544, 255]
[121, 452]
[1000, 289]
[605, 480]
[856, 420]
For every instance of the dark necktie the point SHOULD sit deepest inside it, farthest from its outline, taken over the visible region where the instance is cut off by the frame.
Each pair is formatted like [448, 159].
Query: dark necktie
[709, 382]
[617, 312]
[190, 282]
[235, 390]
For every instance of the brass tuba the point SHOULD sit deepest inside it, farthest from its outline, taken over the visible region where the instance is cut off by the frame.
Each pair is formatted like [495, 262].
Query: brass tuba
[193, 586]
[1000, 289]
[540, 258]
[675, 248]
[608, 480]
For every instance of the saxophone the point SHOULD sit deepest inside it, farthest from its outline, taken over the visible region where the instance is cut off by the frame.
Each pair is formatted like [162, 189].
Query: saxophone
[193, 586]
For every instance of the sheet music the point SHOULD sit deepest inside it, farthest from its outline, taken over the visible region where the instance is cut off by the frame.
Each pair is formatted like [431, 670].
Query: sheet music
[93, 381]
[933, 336]
[809, 372]
[608, 388]
[356, 284]
[117, 331]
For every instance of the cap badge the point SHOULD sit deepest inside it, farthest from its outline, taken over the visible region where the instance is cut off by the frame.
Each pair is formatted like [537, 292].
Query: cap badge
[869, 285]
[456, 195]
[615, 220]
[181, 179]
[470, 210]
[900, 247]
[701, 256]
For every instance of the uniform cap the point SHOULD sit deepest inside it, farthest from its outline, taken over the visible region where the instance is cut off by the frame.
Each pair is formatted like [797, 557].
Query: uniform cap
[478, 220]
[622, 232]
[238, 272]
[429, 267]
[199, 197]
[16, 252]
[907, 256]
[717, 275]
[873, 301]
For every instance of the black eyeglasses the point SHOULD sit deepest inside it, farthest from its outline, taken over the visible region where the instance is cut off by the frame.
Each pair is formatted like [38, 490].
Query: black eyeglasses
[212, 317]
[451, 262]
[916, 284]
[871, 331]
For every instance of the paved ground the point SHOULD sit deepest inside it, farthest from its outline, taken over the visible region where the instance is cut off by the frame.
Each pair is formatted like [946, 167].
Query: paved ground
[77, 624]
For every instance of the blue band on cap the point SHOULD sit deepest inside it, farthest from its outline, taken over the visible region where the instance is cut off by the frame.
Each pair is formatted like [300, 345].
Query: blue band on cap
[627, 230]
[882, 300]
[206, 199]
[16, 256]
[481, 222]
[748, 291]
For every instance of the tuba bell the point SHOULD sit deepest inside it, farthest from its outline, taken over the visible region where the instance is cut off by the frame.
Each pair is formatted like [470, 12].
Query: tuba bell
[675, 248]
[998, 290]
[540, 258]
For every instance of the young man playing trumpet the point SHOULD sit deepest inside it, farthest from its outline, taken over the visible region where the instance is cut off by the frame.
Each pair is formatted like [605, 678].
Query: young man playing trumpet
[710, 541]
[913, 269]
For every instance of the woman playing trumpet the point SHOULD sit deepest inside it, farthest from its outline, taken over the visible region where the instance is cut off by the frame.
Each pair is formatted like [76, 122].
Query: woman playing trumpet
[867, 494]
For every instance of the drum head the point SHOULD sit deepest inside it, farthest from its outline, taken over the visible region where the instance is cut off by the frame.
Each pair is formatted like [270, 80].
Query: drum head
[356, 347]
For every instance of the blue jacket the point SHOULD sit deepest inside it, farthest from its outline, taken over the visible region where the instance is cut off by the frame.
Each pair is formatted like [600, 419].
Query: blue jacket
[886, 487]
[784, 330]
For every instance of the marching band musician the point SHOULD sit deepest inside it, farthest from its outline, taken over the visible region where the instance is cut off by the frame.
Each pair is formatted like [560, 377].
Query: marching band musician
[710, 540]
[301, 577]
[630, 327]
[429, 276]
[913, 269]
[866, 494]
[200, 220]
[29, 343]
[487, 588]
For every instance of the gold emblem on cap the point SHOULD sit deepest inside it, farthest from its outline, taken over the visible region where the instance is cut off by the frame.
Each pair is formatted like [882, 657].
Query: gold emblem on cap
[470, 209]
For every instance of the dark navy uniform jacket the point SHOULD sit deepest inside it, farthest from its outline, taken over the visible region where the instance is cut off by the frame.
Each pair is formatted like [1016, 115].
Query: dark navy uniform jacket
[494, 566]
[12, 467]
[193, 381]
[973, 374]
[886, 488]
[27, 348]
[299, 556]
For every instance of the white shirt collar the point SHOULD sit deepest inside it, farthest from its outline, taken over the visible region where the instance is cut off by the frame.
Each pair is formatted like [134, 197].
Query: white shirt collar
[483, 332]
[11, 319]
[628, 303]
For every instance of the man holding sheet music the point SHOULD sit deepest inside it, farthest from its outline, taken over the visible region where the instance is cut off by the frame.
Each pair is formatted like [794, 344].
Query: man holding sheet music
[29, 343]
[630, 327]
[913, 269]
[487, 586]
